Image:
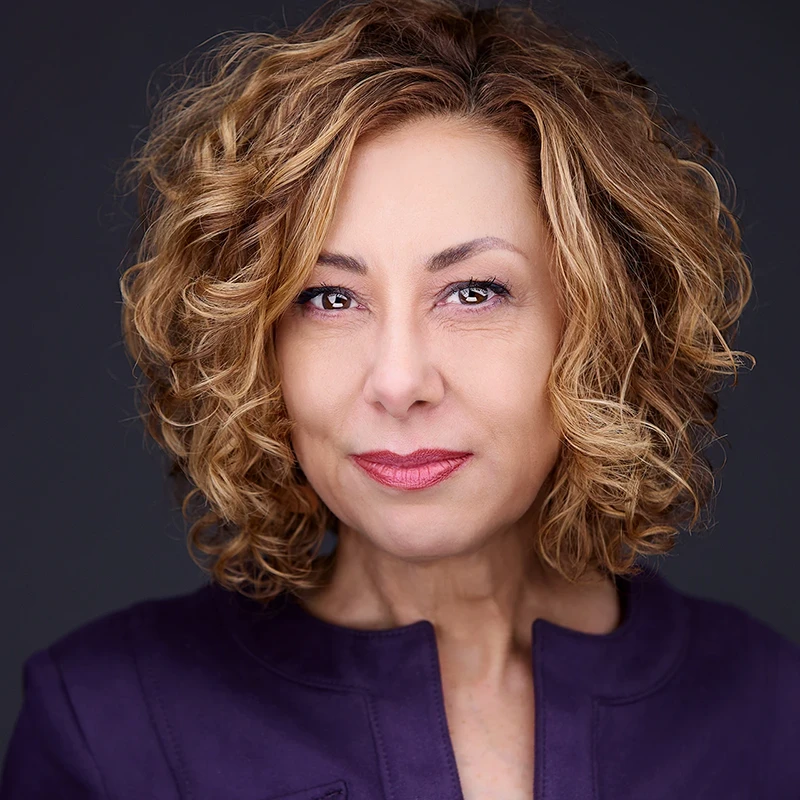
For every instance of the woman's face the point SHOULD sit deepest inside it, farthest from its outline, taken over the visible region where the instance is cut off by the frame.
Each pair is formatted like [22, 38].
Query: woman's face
[402, 360]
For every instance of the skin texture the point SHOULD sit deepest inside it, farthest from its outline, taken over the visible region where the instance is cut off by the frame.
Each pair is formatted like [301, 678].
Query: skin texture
[407, 362]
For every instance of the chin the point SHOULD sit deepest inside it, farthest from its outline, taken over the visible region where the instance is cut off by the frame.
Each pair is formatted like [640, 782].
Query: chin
[419, 545]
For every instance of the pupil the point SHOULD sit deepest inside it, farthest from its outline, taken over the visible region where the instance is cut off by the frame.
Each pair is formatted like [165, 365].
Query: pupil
[333, 305]
[481, 292]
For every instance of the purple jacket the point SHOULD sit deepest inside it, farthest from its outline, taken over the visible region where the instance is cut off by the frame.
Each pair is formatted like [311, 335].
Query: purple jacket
[209, 695]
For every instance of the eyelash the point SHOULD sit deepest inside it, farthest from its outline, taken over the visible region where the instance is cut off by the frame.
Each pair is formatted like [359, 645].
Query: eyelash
[500, 288]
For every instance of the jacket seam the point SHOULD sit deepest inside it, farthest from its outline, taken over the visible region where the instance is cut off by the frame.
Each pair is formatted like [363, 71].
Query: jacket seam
[337, 686]
[684, 624]
[178, 768]
[377, 741]
[444, 738]
[539, 721]
[78, 726]
[600, 701]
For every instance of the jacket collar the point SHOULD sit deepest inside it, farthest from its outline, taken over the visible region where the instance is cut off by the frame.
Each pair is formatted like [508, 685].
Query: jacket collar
[288, 639]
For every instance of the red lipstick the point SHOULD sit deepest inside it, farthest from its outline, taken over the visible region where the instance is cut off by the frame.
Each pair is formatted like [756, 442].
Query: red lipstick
[417, 470]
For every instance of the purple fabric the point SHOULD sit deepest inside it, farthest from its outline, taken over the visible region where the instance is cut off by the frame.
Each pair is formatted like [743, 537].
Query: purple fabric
[209, 695]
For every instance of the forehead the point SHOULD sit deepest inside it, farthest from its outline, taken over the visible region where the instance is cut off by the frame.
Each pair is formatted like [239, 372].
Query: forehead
[430, 184]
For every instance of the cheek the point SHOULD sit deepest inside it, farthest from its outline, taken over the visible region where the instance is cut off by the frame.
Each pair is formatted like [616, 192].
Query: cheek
[316, 396]
[508, 371]
[510, 393]
[304, 371]
[522, 417]
[308, 406]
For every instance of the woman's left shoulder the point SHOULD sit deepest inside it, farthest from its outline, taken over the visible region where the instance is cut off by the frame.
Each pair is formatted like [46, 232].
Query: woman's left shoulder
[724, 628]
[776, 674]
[780, 656]
[744, 675]
[735, 648]
[724, 623]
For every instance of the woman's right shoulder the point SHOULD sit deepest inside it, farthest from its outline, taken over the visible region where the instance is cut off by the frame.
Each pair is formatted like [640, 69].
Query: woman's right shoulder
[95, 691]
[112, 641]
[117, 653]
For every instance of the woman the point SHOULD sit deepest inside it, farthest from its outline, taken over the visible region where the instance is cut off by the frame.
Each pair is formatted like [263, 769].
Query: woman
[442, 281]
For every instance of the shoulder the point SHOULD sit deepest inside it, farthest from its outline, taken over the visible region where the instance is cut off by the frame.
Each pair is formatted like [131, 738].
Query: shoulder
[729, 699]
[110, 643]
[86, 700]
[727, 630]
[732, 652]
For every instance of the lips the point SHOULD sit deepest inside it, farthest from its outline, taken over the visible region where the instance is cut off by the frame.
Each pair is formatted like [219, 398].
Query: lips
[416, 459]
[418, 470]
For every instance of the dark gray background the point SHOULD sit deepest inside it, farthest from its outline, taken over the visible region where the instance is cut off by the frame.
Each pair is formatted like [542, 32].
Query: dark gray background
[89, 524]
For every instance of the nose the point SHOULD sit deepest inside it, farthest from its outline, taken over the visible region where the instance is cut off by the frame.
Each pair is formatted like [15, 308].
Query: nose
[401, 371]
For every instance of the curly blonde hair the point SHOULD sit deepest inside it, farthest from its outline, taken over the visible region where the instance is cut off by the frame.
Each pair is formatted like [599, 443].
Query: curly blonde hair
[238, 178]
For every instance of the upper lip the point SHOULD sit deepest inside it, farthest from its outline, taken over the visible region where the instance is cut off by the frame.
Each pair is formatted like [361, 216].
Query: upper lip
[424, 456]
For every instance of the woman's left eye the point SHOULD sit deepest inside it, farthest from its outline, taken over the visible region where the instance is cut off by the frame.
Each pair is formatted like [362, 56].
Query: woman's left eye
[472, 291]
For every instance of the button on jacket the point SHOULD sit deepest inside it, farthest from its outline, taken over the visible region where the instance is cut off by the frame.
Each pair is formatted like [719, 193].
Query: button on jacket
[211, 695]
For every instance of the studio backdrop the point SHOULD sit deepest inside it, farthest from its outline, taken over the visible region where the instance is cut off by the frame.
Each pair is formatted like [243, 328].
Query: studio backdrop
[90, 522]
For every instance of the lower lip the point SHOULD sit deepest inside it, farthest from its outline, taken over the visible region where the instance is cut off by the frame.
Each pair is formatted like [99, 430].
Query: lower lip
[420, 477]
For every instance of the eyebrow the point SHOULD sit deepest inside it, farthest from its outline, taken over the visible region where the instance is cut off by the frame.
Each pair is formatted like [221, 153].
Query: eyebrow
[434, 263]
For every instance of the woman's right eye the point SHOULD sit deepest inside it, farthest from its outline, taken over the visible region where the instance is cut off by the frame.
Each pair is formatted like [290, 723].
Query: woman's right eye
[333, 297]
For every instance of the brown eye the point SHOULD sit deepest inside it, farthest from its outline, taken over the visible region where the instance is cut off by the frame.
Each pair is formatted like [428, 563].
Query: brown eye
[334, 300]
[473, 295]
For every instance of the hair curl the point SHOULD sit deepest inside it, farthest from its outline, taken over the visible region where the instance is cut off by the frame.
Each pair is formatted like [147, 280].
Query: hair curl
[238, 179]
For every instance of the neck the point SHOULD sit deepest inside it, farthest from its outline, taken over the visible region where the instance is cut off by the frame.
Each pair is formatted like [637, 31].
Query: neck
[481, 603]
